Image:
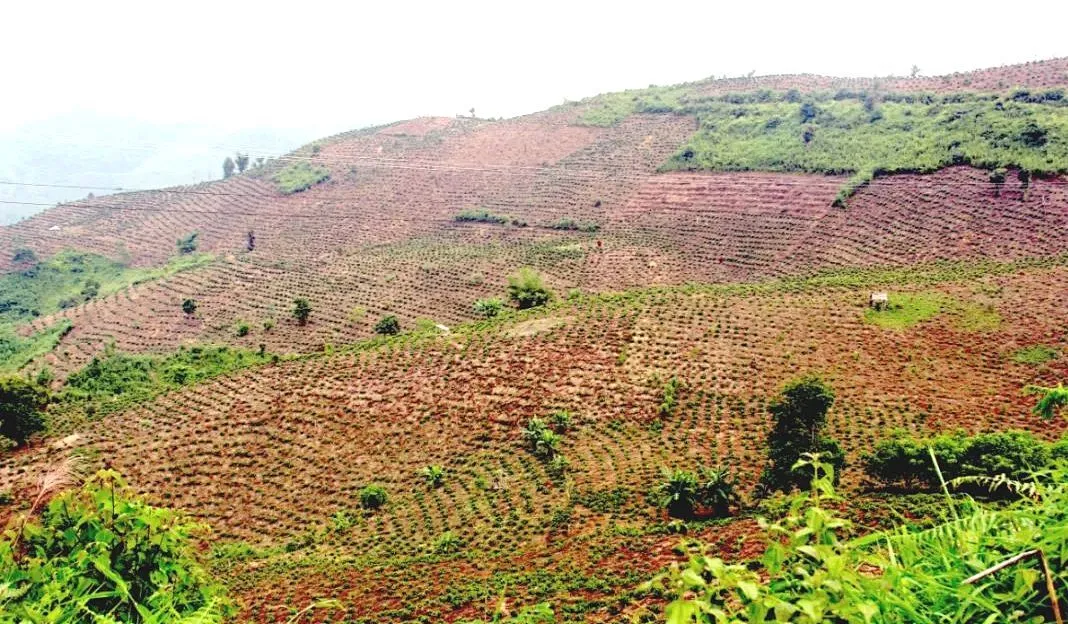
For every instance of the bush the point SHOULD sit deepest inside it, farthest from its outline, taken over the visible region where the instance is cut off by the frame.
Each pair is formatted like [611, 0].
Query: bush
[188, 244]
[301, 310]
[388, 326]
[489, 308]
[481, 215]
[905, 461]
[299, 177]
[678, 492]
[434, 475]
[561, 420]
[102, 554]
[242, 329]
[373, 497]
[800, 415]
[189, 306]
[543, 441]
[20, 408]
[447, 543]
[527, 289]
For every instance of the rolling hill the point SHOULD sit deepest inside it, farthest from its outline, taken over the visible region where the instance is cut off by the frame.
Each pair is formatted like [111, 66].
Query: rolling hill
[719, 237]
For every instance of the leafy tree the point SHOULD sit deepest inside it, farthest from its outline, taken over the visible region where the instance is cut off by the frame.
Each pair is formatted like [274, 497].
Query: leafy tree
[21, 403]
[301, 310]
[228, 167]
[188, 244]
[373, 497]
[102, 554]
[915, 71]
[527, 289]
[808, 111]
[800, 415]
[997, 178]
[716, 489]
[189, 306]
[388, 326]
[241, 160]
[489, 308]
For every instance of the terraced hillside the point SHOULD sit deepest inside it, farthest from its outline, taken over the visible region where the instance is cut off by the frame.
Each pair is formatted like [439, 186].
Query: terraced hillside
[705, 242]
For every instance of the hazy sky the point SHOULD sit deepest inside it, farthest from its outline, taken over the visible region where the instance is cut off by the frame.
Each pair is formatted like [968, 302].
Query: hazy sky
[327, 67]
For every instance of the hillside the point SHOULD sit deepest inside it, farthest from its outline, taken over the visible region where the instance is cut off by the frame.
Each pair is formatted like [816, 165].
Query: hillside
[718, 237]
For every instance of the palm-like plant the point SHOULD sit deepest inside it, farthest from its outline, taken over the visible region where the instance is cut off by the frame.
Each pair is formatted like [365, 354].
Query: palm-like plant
[434, 475]
[716, 489]
[679, 492]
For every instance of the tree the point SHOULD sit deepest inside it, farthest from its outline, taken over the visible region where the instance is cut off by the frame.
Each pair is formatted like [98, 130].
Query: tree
[250, 240]
[102, 554]
[800, 417]
[808, 111]
[189, 306]
[388, 326]
[373, 497]
[1024, 176]
[301, 310]
[228, 167]
[527, 289]
[716, 489]
[242, 162]
[997, 178]
[188, 244]
[21, 403]
[678, 492]
[915, 71]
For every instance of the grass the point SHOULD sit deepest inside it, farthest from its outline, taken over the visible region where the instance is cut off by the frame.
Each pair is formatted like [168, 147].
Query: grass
[70, 278]
[117, 380]
[978, 318]
[1035, 354]
[17, 351]
[481, 215]
[904, 311]
[300, 177]
[609, 109]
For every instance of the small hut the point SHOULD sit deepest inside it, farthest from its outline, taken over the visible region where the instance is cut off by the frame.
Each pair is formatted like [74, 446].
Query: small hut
[878, 300]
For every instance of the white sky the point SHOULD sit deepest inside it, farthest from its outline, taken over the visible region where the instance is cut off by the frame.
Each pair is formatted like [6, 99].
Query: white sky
[329, 67]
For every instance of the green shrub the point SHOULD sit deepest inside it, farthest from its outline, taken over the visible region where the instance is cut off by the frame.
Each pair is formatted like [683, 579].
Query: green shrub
[543, 441]
[800, 417]
[678, 492]
[373, 497]
[489, 308]
[669, 401]
[434, 475]
[189, 306]
[21, 403]
[188, 244]
[447, 543]
[682, 492]
[527, 289]
[102, 554]
[1035, 354]
[242, 329]
[481, 215]
[561, 420]
[567, 223]
[299, 177]
[301, 310]
[388, 326]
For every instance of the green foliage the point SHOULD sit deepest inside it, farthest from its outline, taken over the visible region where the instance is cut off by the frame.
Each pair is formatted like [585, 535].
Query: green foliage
[682, 492]
[69, 278]
[17, 351]
[1052, 400]
[527, 289]
[844, 136]
[301, 310]
[489, 308]
[902, 460]
[905, 310]
[447, 543]
[1035, 354]
[812, 572]
[373, 496]
[241, 329]
[228, 167]
[561, 420]
[481, 215]
[434, 475]
[800, 417]
[609, 109]
[188, 244]
[189, 306]
[101, 554]
[567, 223]
[21, 403]
[543, 441]
[388, 326]
[299, 177]
[116, 380]
[669, 401]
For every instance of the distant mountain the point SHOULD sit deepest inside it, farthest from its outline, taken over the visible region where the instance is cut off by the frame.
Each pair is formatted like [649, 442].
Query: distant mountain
[87, 149]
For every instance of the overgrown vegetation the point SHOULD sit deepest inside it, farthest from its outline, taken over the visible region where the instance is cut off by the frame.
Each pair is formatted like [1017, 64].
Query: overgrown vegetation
[527, 289]
[102, 554]
[115, 380]
[388, 326]
[1035, 354]
[683, 492]
[905, 310]
[489, 308]
[21, 403]
[567, 223]
[481, 215]
[299, 177]
[301, 310]
[811, 570]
